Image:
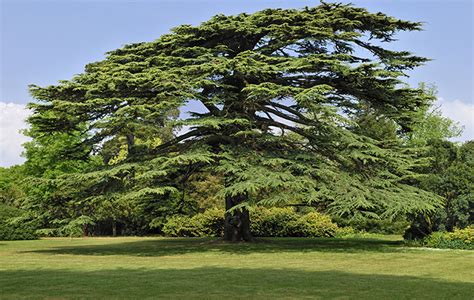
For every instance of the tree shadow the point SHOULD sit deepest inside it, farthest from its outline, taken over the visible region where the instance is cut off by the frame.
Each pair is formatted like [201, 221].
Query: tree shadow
[217, 283]
[178, 246]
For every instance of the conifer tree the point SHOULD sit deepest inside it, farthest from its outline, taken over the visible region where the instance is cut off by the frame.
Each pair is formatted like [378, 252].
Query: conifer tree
[277, 89]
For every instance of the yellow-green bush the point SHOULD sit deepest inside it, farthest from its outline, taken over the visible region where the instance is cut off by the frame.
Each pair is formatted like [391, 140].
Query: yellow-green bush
[458, 239]
[178, 225]
[208, 223]
[312, 224]
[273, 221]
[264, 222]
[347, 231]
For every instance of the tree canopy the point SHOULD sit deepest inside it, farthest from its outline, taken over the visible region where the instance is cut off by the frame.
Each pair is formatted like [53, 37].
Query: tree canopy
[279, 95]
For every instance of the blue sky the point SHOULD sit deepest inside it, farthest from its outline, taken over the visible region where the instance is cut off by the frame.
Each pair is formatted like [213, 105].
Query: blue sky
[45, 41]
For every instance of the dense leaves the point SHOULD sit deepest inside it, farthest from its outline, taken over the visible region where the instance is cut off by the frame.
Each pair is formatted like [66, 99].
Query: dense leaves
[13, 225]
[266, 222]
[458, 239]
[451, 175]
[281, 94]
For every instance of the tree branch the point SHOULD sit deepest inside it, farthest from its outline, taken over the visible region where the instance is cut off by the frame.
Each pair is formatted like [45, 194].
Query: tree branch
[288, 109]
[304, 121]
[212, 109]
[189, 134]
[282, 126]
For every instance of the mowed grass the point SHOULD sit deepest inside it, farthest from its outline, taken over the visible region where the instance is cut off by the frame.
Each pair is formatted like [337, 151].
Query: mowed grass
[190, 268]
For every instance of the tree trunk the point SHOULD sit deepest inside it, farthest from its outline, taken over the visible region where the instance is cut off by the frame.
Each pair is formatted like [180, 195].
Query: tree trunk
[237, 223]
[114, 228]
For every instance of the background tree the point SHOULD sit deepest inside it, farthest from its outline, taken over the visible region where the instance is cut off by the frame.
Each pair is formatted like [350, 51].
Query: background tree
[432, 125]
[11, 190]
[257, 78]
[451, 175]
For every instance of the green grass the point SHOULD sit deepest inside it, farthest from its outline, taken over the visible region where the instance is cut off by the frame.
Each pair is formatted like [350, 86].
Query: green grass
[138, 268]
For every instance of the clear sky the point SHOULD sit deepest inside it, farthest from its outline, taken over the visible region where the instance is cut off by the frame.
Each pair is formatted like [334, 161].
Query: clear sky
[46, 41]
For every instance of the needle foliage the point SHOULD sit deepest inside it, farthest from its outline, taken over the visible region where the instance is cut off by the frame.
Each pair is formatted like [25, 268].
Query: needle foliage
[278, 93]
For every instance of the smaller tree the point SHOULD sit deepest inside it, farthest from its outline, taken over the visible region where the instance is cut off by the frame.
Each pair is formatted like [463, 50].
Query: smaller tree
[456, 185]
[450, 175]
[432, 125]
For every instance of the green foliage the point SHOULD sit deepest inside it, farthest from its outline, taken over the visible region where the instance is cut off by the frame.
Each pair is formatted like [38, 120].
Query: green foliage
[54, 154]
[13, 227]
[276, 222]
[450, 175]
[456, 184]
[382, 226]
[69, 228]
[378, 127]
[312, 224]
[208, 223]
[76, 227]
[11, 186]
[265, 222]
[281, 90]
[458, 239]
[347, 231]
[441, 154]
[204, 189]
[179, 225]
[457, 212]
[432, 125]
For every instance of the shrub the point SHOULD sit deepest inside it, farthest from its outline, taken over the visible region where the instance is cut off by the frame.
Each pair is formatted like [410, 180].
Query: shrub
[312, 225]
[208, 223]
[458, 239]
[347, 231]
[178, 226]
[265, 222]
[13, 227]
[279, 222]
[271, 221]
[382, 226]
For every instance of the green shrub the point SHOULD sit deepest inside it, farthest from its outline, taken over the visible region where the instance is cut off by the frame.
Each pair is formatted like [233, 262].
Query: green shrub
[312, 225]
[264, 222]
[279, 222]
[382, 226]
[208, 223]
[458, 239]
[347, 231]
[179, 226]
[13, 227]
[271, 221]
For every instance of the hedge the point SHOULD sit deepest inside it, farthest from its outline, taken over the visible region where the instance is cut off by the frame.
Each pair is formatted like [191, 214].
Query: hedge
[458, 239]
[265, 222]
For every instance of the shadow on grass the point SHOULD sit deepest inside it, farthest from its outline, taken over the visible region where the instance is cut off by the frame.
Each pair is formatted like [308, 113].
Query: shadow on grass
[217, 283]
[178, 246]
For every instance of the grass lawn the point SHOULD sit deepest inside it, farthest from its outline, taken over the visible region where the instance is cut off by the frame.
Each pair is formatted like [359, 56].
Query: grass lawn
[208, 268]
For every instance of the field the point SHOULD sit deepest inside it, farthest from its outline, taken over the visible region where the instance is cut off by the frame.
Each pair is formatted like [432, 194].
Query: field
[138, 268]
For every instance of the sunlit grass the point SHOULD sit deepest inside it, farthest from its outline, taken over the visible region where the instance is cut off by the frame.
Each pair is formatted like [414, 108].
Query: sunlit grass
[209, 268]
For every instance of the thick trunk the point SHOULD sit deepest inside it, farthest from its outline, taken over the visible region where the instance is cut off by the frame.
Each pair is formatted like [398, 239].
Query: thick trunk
[237, 223]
